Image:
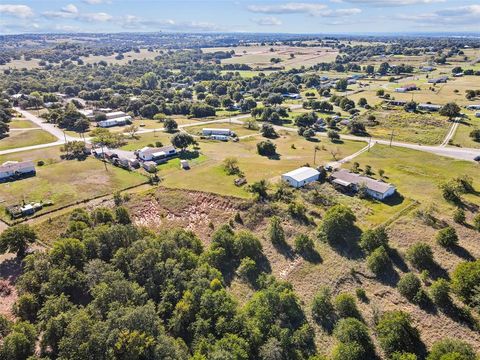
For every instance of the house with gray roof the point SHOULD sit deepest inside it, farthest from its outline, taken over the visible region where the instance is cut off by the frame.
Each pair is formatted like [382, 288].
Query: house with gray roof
[12, 170]
[349, 181]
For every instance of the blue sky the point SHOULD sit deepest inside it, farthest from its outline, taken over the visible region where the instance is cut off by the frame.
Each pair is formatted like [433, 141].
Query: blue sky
[326, 16]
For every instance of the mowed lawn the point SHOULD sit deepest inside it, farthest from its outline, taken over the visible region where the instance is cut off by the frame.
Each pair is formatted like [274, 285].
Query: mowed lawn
[417, 175]
[294, 151]
[17, 139]
[426, 129]
[21, 124]
[66, 181]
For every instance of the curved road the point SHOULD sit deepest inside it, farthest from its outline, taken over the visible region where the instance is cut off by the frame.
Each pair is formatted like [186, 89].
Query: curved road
[453, 152]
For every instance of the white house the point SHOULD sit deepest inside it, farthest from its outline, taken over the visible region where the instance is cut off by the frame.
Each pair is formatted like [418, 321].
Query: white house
[301, 176]
[155, 154]
[473, 107]
[216, 131]
[115, 114]
[429, 107]
[12, 169]
[88, 113]
[350, 181]
[115, 122]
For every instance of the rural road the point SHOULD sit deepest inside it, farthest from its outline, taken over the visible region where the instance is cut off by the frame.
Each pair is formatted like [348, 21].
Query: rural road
[453, 152]
[451, 132]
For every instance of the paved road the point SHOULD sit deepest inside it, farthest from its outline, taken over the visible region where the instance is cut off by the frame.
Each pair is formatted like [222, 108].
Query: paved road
[452, 152]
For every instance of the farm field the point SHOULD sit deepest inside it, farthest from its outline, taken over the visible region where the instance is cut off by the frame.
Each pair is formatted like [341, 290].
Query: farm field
[427, 129]
[259, 56]
[65, 182]
[22, 138]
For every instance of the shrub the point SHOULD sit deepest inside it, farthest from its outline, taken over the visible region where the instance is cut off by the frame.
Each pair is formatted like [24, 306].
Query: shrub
[409, 286]
[447, 237]
[304, 244]
[464, 279]
[40, 163]
[420, 255]
[440, 292]
[451, 349]
[247, 269]
[337, 222]
[346, 306]
[266, 148]
[459, 216]
[378, 261]
[322, 308]
[372, 239]
[403, 356]
[476, 222]
[396, 333]
[276, 233]
[354, 331]
[348, 351]
[361, 294]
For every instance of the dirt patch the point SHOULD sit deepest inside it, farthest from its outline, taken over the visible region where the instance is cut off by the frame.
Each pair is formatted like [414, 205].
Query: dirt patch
[191, 210]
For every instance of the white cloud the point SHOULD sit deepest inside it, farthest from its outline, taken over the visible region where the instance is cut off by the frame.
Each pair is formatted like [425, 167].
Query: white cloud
[388, 3]
[95, 17]
[455, 16]
[20, 11]
[138, 23]
[70, 8]
[313, 9]
[97, 2]
[267, 21]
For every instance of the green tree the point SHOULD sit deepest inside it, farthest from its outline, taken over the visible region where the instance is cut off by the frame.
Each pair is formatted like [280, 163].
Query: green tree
[276, 233]
[351, 330]
[182, 141]
[170, 125]
[149, 81]
[440, 292]
[346, 306]
[266, 148]
[259, 189]
[338, 222]
[396, 333]
[450, 109]
[19, 344]
[373, 238]
[447, 237]
[304, 244]
[409, 286]
[442, 349]
[323, 310]
[459, 216]
[420, 255]
[122, 216]
[16, 239]
[378, 261]
[465, 278]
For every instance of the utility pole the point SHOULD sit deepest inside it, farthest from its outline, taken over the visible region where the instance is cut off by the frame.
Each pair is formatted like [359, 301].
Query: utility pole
[315, 154]
[103, 155]
[391, 138]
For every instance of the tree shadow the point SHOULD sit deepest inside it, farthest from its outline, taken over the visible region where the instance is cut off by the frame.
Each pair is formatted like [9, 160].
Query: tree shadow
[388, 276]
[188, 154]
[285, 249]
[312, 139]
[347, 246]
[397, 260]
[312, 256]
[11, 269]
[274, 157]
[462, 252]
[394, 200]
[436, 271]
[460, 315]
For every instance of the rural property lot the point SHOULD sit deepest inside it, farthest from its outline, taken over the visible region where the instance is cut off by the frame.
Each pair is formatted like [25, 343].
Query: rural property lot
[64, 181]
[22, 138]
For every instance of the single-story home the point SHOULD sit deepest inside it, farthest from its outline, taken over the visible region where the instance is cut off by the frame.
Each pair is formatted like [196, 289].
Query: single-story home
[14, 169]
[473, 107]
[405, 88]
[441, 79]
[156, 154]
[291, 96]
[216, 131]
[429, 107]
[115, 122]
[396, 102]
[427, 68]
[115, 115]
[349, 181]
[301, 176]
[88, 113]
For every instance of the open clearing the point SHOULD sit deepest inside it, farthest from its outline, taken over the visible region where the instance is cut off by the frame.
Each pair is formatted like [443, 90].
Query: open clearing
[18, 139]
[426, 128]
[21, 124]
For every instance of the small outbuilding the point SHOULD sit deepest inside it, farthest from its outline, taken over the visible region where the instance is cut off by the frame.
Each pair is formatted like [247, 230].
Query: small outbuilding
[184, 165]
[301, 176]
[216, 131]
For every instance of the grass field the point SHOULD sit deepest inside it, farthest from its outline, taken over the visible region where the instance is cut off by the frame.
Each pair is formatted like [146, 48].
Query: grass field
[21, 124]
[417, 174]
[427, 129]
[462, 135]
[65, 182]
[18, 139]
